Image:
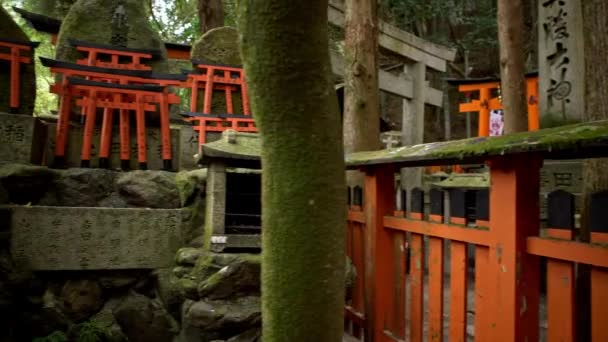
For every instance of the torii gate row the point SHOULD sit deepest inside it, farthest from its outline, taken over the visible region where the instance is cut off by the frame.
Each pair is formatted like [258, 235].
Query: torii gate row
[423, 53]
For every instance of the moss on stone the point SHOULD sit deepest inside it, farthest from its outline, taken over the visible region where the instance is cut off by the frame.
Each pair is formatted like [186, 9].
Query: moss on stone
[233, 145]
[219, 45]
[90, 20]
[555, 139]
[27, 98]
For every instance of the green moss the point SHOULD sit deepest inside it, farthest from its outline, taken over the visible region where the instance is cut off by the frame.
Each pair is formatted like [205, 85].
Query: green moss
[27, 98]
[234, 145]
[90, 20]
[56, 336]
[550, 139]
[219, 45]
[91, 332]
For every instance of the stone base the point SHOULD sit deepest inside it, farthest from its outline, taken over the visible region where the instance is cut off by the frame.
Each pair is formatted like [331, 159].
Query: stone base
[183, 146]
[235, 241]
[21, 139]
[69, 238]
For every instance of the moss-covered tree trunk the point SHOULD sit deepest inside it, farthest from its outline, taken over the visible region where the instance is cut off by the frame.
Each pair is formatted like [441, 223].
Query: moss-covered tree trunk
[595, 178]
[512, 65]
[210, 14]
[361, 92]
[284, 45]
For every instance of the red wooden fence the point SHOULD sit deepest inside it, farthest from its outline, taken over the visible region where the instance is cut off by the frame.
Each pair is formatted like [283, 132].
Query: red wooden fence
[390, 304]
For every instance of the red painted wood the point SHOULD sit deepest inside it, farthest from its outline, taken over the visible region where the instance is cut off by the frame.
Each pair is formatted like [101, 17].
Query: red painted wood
[416, 281]
[458, 291]
[379, 276]
[106, 133]
[513, 202]
[560, 294]
[89, 124]
[435, 289]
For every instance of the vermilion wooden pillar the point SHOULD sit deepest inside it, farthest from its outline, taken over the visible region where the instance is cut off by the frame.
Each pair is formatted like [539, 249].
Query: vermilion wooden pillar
[379, 276]
[514, 216]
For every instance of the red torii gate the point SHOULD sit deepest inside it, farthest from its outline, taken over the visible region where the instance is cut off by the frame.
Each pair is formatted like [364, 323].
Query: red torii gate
[124, 85]
[15, 58]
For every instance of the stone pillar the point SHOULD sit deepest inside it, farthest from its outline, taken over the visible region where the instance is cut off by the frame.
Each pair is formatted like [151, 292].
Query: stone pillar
[561, 62]
[215, 209]
[413, 123]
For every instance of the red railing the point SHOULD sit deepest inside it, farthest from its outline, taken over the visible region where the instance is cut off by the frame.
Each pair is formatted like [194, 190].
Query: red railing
[435, 297]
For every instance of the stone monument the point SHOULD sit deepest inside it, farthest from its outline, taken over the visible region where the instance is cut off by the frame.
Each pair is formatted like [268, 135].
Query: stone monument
[561, 62]
[116, 22]
[219, 46]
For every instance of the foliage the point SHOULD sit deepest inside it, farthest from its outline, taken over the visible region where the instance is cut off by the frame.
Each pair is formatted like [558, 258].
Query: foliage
[45, 101]
[56, 336]
[478, 19]
[91, 332]
[177, 21]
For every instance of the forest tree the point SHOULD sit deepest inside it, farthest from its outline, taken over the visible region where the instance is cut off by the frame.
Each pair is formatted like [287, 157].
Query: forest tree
[285, 50]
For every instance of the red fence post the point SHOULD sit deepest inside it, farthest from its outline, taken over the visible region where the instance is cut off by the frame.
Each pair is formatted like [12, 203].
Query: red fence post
[379, 276]
[514, 216]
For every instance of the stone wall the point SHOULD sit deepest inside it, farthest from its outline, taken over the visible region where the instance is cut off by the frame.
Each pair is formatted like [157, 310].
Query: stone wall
[82, 250]
[22, 138]
[183, 147]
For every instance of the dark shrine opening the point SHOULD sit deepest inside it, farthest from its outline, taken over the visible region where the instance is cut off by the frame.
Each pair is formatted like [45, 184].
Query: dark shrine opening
[243, 203]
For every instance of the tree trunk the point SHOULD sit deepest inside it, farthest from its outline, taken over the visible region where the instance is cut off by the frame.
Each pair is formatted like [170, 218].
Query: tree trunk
[512, 65]
[361, 93]
[285, 50]
[210, 14]
[595, 178]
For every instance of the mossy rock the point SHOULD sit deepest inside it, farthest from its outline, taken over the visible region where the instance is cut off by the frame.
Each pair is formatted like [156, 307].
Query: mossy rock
[92, 21]
[219, 46]
[27, 91]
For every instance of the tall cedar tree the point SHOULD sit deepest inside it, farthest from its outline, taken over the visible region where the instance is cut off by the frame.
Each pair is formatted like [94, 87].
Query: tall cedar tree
[285, 50]
[512, 65]
[595, 177]
[361, 94]
[210, 14]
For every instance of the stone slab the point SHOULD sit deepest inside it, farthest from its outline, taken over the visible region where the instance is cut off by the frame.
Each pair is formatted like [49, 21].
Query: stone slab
[183, 145]
[68, 238]
[21, 139]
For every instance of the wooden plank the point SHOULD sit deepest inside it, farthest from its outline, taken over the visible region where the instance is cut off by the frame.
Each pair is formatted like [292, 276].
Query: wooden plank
[416, 287]
[483, 297]
[379, 276]
[358, 261]
[458, 291]
[560, 274]
[392, 84]
[560, 300]
[356, 216]
[435, 289]
[585, 253]
[599, 304]
[445, 231]
[513, 217]
[397, 326]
